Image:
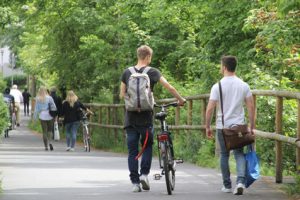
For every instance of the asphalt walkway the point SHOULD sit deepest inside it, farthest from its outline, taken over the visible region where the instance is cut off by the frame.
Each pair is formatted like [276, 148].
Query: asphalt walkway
[28, 172]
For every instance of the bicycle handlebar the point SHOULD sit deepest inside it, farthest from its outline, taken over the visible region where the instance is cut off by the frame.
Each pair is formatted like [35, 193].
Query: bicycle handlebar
[174, 104]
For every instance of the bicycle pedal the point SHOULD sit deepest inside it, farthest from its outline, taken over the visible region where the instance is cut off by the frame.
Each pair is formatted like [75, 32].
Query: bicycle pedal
[157, 176]
[179, 161]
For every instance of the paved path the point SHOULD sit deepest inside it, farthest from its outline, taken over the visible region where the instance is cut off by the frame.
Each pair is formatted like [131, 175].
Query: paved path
[30, 173]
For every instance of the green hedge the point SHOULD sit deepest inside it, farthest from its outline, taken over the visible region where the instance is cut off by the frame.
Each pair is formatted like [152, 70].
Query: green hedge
[4, 117]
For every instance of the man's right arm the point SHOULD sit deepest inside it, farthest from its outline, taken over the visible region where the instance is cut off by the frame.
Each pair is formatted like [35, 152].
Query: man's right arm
[122, 90]
[208, 115]
[172, 90]
[250, 107]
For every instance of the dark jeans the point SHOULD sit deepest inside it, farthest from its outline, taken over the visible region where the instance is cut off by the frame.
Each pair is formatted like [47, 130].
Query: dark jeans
[26, 108]
[136, 136]
[47, 131]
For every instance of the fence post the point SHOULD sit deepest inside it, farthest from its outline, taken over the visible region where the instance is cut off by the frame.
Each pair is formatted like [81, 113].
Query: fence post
[115, 123]
[298, 137]
[190, 112]
[255, 107]
[255, 115]
[107, 119]
[203, 114]
[279, 108]
[100, 115]
[177, 117]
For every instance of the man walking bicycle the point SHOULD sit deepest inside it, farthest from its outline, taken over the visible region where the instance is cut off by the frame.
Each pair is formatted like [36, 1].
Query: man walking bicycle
[139, 122]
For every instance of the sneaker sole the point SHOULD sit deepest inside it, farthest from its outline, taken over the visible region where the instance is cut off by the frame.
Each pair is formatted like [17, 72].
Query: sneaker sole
[240, 191]
[137, 189]
[145, 186]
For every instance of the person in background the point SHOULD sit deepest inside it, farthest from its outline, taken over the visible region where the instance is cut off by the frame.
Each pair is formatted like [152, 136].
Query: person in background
[17, 94]
[57, 100]
[71, 111]
[10, 101]
[26, 98]
[43, 103]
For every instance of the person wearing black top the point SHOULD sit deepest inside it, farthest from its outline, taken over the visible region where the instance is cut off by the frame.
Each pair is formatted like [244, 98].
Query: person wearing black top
[57, 100]
[71, 113]
[138, 123]
[26, 97]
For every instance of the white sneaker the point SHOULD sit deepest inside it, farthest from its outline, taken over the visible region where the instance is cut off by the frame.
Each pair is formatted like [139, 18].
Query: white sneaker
[68, 148]
[145, 182]
[226, 190]
[136, 188]
[72, 149]
[239, 189]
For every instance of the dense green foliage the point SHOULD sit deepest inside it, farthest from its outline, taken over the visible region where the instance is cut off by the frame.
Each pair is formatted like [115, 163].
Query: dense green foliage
[85, 45]
[3, 115]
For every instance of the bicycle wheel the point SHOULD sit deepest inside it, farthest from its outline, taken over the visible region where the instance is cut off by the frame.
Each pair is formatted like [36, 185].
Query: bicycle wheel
[168, 168]
[13, 121]
[86, 139]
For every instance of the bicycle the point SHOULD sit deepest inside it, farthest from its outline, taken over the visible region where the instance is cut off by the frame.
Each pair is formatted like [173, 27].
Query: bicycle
[11, 124]
[167, 162]
[85, 130]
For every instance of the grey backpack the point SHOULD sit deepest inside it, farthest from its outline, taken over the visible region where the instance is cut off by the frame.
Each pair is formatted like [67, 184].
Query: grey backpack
[139, 96]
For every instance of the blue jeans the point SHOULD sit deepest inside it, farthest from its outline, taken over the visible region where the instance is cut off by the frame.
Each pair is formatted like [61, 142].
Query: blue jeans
[71, 133]
[134, 137]
[224, 162]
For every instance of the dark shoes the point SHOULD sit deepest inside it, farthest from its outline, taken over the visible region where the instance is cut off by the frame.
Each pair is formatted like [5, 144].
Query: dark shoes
[51, 147]
[18, 124]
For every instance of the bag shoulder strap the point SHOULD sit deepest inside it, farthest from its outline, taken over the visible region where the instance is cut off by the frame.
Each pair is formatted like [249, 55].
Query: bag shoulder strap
[146, 70]
[221, 102]
[132, 70]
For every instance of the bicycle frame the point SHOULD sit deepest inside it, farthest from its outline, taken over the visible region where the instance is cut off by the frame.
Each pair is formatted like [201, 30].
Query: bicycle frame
[165, 149]
[85, 132]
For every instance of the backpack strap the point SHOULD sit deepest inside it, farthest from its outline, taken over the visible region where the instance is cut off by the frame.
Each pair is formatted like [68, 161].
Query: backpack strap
[146, 70]
[132, 70]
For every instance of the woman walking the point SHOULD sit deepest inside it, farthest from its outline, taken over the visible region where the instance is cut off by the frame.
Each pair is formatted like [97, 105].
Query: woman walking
[71, 111]
[44, 103]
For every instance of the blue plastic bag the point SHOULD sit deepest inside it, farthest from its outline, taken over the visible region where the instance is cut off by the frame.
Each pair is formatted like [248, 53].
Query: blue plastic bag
[252, 166]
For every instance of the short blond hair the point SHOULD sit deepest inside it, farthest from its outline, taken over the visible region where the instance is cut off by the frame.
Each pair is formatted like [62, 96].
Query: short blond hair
[144, 51]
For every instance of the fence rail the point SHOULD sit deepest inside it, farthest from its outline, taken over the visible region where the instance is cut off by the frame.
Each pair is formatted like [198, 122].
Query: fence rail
[113, 120]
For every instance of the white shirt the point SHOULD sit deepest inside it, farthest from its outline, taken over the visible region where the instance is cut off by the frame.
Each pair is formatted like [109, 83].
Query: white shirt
[234, 91]
[17, 95]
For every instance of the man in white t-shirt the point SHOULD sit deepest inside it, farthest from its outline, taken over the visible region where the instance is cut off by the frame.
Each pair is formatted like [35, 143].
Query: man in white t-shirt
[235, 93]
[17, 94]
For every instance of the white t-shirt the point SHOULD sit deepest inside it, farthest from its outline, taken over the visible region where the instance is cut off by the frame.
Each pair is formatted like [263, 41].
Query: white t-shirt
[17, 95]
[234, 91]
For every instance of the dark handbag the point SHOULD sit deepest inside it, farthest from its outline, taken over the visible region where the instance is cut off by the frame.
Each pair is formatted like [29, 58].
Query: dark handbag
[53, 113]
[236, 136]
[252, 166]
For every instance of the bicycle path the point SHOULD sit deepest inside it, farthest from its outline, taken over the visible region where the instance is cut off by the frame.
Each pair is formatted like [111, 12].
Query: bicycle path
[28, 172]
